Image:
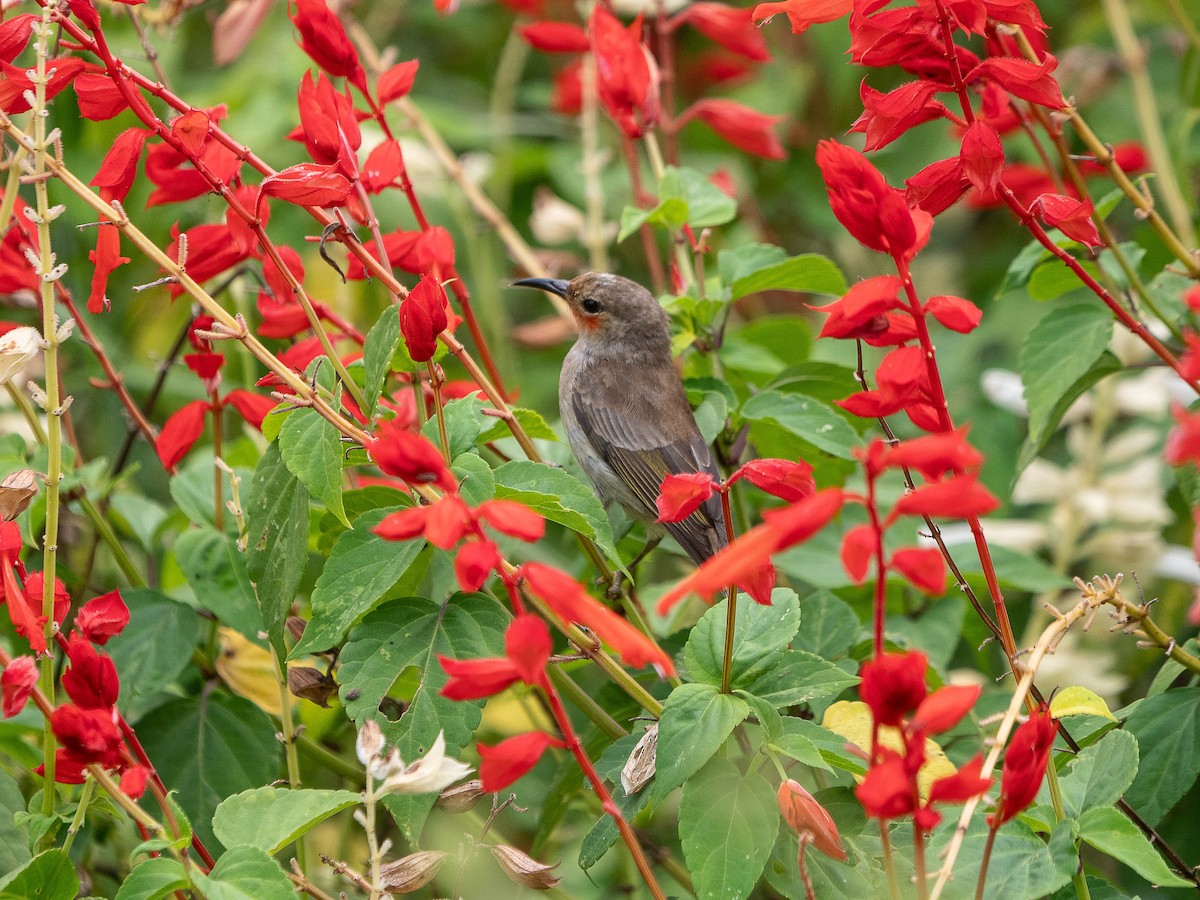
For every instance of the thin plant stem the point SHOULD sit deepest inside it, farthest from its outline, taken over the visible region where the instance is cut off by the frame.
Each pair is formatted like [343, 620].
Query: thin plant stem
[218, 452]
[981, 883]
[584, 702]
[435, 382]
[591, 166]
[889, 863]
[288, 731]
[919, 861]
[730, 606]
[85, 797]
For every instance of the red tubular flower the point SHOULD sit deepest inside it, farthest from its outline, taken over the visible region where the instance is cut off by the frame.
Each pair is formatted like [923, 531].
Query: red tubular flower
[804, 13]
[809, 818]
[180, 432]
[955, 313]
[1183, 443]
[937, 186]
[514, 519]
[323, 38]
[527, 650]
[627, 79]
[955, 498]
[923, 567]
[17, 683]
[1070, 216]
[88, 735]
[328, 125]
[103, 617]
[106, 258]
[681, 495]
[944, 708]
[1025, 763]
[308, 184]
[982, 157]
[730, 26]
[410, 456]
[474, 562]
[745, 128]
[507, 761]
[860, 311]
[555, 37]
[935, 454]
[893, 685]
[781, 478]
[119, 168]
[423, 318]
[859, 546]
[887, 116]
[91, 678]
[133, 781]
[888, 790]
[873, 211]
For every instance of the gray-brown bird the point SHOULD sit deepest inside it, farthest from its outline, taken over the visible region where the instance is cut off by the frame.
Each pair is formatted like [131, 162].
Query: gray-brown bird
[624, 408]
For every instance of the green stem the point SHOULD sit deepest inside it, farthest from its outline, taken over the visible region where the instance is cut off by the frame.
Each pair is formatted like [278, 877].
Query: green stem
[328, 760]
[85, 797]
[289, 745]
[983, 865]
[889, 864]
[730, 607]
[583, 701]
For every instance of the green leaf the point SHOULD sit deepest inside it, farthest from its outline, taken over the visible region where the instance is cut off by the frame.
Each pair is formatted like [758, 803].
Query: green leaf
[809, 273]
[1167, 728]
[140, 515]
[800, 677]
[156, 645]
[476, 483]
[1100, 774]
[48, 876]
[1023, 866]
[529, 420]
[759, 634]
[153, 879]
[216, 571]
[696, 719]
[706, 204]
[807, 418]
[727, 825]
[378, 349]
[410, 633]
[670, 214]
[1107, 829]
[245, 873]
[1062, 356]
[277, 531]
[362, 568]
[746, 259]
[312, 450]
[830, 625]
[192, 488]
[209, 749]
[560, 497]
[1170, 668]
[800, 748]
[1051, 280]
[464, 424]
[1020, 570]
[270, 818]
[14, 841]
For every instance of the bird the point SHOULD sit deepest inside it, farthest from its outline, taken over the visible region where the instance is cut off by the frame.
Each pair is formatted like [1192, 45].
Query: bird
[625, 411]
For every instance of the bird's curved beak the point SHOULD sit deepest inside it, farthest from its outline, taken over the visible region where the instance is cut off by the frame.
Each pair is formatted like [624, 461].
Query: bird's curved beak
[553, 285]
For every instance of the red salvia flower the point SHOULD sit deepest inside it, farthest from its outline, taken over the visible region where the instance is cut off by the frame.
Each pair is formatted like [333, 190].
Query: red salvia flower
[527, 649]
[556, 37]
[507, 761]
[627, 79]
[91, 678]
[397, 81]
[328, 125]
[119, 168]
[745, 128]
[888, 790]
[804, 13]
[860, 311]
[514, 519]
[937, 186]
[103, 617]
[1025, 763]
[17, 683]
[423, 318]
[887, 116]
[956, 313]
[781, 478]
[1183, 442]
[956, 498]
[180, 432]
[859, 546]
[410, 456]
[893, 685]
[14, 35]
[323, 38]
[730, 26]
[133, 781]
[923, 567]
[308, 184]
[87, 735]
[474, 562]
[944, 708]
[1070, 216]
[982, 157]
[681, 495]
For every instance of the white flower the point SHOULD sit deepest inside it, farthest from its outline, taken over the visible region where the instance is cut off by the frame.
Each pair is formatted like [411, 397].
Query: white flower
[554, 220]
[427, 775]
[17, 348]
[369, 742]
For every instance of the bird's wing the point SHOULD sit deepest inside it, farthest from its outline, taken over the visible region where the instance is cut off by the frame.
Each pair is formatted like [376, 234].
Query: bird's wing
[643, 457]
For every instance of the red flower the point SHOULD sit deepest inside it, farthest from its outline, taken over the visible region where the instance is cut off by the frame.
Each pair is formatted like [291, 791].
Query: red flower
[944, 708]
[397, 81]
[923, 567]
[328, 125]
[308, 184]
[803, 13]
[1183, 443]
[954, 313]
[935, 454]
[527, 650]
[893, 685]
[88, 735]
[106, 258]
[1070, 216]
[962, 785]
[887, 116]
[982, 157]
[410, 456]
[569, 601]
[958, 498]
[556, 37]
[103, 617]
[514, 519]
[809, 818]
[888, 791]
[17, 683]
[91, 679]
[423, 318]
[859, 546]
[870, 209]
[323, 38]
[681, 495]
[860, 311]
[937, 186]
[627, 79]
[1025, 763]
[474, 562]
[119, 168]
[25, 608]
[745, 128]
[781, 478]
[507, 761]
[1027, 80]
[730, 26]
[133, 781]
[180, 432]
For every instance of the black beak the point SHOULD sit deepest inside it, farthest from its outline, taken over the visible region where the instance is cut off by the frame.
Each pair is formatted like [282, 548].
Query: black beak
[553, 285]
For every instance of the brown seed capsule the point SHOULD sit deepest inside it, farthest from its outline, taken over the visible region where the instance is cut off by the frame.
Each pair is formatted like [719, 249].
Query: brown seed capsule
[639, 768]
[460, 798]
[311, 685]
[411, 872]
[16, 491]
[523, 869]
[295, 627]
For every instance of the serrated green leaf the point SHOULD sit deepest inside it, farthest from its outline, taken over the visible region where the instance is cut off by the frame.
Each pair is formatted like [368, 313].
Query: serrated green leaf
[476, 483]
[378, 349]
[48, 876]
[809, 273]
[705, 203]
[746, 259]
[1109, 831]
[1100, 774]
[558, 496]
[153, 879]
[464, 424]
[245, 873]
[216, 571]
[1023, 866]
[361, 569]
[799, 677]
[696, 719]
[807, 418]
[830, 625]
[727, 825]
[410, 633]
[670, 214]
[239, 751]
[270, 818]
[312, 450]
[760, 633]
[1167, 728]
[530, 421]
[277, 535]
[1171, 669]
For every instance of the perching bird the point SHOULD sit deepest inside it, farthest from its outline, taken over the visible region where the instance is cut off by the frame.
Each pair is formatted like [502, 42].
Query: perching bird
[624, 408]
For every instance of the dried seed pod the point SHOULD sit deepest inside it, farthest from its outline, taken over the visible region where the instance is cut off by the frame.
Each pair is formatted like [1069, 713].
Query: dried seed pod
[639, 768]
[409, 873]
[295, 626]
[311, 684]
[523, 869]
[16, 491]
[460, 798]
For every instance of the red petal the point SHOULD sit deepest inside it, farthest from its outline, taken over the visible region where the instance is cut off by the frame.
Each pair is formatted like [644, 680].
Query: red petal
[956, 498]
[555, 37]
[181, 431]
[507, 761]
[17, 683]
[923, 567]
[527, 645]
[954, 313]
[397, 81]
[982, 157]
[514, 519]
[945, 708]
[859, 546]
[308, 184]
[103, 617]
[681, 495]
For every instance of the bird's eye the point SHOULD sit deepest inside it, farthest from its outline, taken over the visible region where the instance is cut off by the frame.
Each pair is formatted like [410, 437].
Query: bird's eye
[591, 306]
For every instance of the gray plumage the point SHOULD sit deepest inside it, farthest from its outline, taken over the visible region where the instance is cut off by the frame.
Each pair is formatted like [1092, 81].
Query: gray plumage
[624, 408]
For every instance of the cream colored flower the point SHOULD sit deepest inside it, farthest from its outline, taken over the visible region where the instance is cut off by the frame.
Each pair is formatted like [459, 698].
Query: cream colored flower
[17, 349]
[427, 775]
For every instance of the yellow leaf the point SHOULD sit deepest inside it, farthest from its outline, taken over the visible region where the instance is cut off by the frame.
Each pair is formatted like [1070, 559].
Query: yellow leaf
[1079, 701]
[249, 670]
[852, 720]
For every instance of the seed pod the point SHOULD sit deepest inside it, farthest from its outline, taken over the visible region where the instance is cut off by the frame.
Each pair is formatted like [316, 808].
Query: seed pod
[460, 798]
[412, 872]
[639, 768]
[523, 869]
[16, 491]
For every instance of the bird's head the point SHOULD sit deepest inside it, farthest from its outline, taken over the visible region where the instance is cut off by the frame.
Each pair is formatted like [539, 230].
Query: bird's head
[606, 305]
